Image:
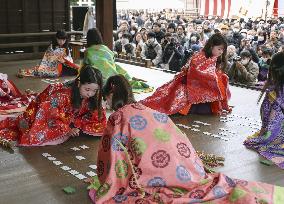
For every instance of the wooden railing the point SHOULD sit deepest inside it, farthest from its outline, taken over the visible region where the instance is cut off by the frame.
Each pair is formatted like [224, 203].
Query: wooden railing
[8, 50]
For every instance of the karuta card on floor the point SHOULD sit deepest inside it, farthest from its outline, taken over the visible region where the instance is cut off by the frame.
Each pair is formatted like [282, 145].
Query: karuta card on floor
[51, 158]
[75, 149]
[73, 172]
[91, 173]
[57, 163]
[80, 158]
[80, 176]
[65, 168]
[84, 147]
[93, 166]
[46, 154]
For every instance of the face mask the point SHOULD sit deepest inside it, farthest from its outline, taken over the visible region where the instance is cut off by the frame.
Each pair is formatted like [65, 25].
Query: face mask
[264, 59]
[151, 40]
[260, 38]
[244, 61]
[250, 37]
[236, 30]
[132, 32]
[124, 41]
[244, 35]
[193, 39]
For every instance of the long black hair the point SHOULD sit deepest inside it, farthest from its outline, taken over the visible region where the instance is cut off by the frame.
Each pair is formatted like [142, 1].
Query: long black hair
[88, 74]
[121, 90]
[94, 37]
[275, 74]
[216, 40]
[61, 34]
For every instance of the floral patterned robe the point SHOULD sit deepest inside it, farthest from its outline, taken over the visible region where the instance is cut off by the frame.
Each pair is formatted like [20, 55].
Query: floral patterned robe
[202, 83]
[144, 158]
[47, 119]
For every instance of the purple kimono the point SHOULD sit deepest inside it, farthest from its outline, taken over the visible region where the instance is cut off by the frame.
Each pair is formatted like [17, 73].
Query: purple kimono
[269, 141]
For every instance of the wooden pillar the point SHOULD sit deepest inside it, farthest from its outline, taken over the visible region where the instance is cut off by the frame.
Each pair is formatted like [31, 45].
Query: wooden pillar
[104, 20]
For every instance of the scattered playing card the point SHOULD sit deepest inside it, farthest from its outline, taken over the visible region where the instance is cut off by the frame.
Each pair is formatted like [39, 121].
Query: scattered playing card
[93, 166]
[206, 124]
[91, 173]
[206, 133]
[223, 134]
[195, 130]
[80, 176]
[75, 148]
[197, 126]
[65, 168]
[198, 122]
[84, 147]
[73, 172]
[45, 154]
[57, 163]
[80, 158]
[51, 158]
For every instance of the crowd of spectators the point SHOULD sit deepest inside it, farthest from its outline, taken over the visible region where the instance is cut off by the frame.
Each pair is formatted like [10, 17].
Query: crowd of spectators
[170, 41]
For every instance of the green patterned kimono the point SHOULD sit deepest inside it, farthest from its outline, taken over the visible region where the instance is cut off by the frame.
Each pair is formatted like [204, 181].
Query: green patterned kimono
[102, 58]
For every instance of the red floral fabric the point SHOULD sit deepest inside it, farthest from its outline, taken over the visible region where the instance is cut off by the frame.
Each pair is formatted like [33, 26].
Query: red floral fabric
[47, 119]
[202, 83]
[11, 99]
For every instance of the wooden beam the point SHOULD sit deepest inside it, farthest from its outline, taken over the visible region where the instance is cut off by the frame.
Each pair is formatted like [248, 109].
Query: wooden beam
[67, 15]
[104, 20]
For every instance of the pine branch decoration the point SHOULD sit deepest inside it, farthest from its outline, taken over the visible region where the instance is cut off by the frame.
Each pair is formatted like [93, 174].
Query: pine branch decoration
[5, 143]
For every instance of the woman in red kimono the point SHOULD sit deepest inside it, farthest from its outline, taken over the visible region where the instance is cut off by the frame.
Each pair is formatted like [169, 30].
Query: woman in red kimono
[201, 82]
[11, 99]
[60, 111]
[144, 158]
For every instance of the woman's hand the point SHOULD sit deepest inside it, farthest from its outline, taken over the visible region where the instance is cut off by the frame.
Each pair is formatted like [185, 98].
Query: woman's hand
[74, 132]
[61, 60]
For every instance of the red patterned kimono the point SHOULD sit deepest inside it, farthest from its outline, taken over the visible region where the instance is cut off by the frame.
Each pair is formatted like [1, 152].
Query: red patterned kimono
[202, 83]
[47, 119]
[144, 158]
[51, 65]
[11, 99]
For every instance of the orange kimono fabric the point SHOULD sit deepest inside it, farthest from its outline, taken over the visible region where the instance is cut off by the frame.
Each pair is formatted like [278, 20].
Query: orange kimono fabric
[47, 119]
[202, 83]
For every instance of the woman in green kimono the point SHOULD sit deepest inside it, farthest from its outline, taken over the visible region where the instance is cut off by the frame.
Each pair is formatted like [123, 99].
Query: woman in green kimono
[101, 57]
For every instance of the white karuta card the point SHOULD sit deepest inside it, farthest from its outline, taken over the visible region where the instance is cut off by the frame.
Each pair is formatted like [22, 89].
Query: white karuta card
[84, 147]
[80, 176]
[206, 133]
[91, 173]
[206, 124]
[75, 148]
[197, 126]
[65, 168]
[195, 130]
[80, 158]
[57, 163]
[73, 172]
[45, 154]
[51, 158]
[93, 166]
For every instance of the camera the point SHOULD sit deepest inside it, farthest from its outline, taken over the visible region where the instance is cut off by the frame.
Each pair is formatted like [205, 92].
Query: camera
[237, 58]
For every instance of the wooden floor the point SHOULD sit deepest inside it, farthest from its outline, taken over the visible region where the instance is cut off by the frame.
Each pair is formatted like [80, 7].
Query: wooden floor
[28, 177]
